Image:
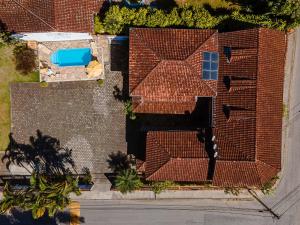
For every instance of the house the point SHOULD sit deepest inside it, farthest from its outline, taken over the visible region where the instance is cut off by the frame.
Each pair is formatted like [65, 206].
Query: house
[49, 15]
[233, 81]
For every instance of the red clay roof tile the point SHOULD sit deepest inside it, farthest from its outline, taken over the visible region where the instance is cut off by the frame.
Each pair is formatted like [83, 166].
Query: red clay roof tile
[169, 69]
[170, 158]
[247, 111]
[49, 15]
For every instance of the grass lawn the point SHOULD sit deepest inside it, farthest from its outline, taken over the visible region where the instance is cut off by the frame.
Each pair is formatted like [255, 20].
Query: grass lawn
[9, 74]
[213, 3]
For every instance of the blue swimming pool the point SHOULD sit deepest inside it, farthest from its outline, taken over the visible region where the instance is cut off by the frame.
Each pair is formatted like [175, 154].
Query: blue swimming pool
[71, 57]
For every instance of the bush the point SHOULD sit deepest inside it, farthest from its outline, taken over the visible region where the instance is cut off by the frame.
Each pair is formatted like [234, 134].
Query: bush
[6, 39]
[158, 187]
[86, 178]
[25, 58]
[232, 190]
[260, 20]
[128, 181]
[129, 110]
[117, 20]
[267, 188]
[100, 82]
[43, 84]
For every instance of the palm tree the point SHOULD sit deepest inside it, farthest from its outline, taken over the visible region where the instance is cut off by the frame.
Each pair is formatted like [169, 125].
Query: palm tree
[43, 194]
[128, 181]
[51, 181]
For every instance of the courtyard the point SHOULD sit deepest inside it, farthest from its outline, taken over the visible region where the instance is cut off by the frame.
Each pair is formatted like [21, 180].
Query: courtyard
[83, 115]
[50, 72]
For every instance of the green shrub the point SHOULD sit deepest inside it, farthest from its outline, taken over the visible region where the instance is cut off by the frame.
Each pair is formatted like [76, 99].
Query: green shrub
[128, 181]
[141, 16]
[157, 18]
[113, 22]
[44, 84]
[232, 190]
[267, 188]
[117, 20]
[260, 20]
[100, 82]
[98, 25]
[128, 109]
[25, 58]
[285, 111]
[158, 187]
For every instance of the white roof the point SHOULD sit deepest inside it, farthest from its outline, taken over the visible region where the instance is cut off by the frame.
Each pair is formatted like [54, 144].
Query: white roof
[53, 36]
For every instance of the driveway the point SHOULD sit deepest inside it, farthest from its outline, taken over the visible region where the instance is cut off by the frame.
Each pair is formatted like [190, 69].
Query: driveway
[84, 116]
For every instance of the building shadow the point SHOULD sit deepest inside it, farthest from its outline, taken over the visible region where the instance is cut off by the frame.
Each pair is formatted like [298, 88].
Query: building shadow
[119, 59]
[119, 54]
[25, 218]
[197, 120]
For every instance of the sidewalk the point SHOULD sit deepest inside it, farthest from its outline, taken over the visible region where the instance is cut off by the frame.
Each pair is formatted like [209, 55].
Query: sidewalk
[142, 195]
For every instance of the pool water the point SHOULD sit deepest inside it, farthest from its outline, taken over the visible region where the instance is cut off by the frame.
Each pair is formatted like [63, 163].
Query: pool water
[71, 57]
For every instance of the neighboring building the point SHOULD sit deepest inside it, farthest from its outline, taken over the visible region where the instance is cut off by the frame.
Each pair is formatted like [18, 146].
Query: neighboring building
[49, 15]
[233, 81]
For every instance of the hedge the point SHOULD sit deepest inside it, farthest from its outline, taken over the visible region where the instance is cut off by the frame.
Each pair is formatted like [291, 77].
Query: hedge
[117, 20]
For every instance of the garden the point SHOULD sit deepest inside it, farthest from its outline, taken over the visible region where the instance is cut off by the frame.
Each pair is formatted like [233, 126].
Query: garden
[222, 15]
[17, 64]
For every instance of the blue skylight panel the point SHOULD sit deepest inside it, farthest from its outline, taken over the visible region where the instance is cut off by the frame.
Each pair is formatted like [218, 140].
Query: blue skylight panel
[206, 75]
[206, 56]
[214, 75]
[206, 65]
[214, 56]
[214, 66]
[210, 65]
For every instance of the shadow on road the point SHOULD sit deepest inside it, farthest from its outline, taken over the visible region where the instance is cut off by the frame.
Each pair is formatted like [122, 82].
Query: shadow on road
[25, 218]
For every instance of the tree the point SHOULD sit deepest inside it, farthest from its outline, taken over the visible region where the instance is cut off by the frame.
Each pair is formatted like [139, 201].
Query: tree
[160, 186]
[43, 194]
[53, 176]
[25, 58]
[128, 181]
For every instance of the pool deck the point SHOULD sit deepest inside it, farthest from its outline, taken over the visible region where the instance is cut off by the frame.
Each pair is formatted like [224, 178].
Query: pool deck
[52, 73]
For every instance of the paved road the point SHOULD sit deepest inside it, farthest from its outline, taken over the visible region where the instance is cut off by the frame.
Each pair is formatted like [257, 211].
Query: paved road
[285, 202]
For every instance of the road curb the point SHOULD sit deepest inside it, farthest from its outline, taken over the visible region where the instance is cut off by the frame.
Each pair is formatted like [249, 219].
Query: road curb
[149, 195]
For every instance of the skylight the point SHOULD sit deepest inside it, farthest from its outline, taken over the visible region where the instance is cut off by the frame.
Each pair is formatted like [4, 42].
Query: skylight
[210, 65]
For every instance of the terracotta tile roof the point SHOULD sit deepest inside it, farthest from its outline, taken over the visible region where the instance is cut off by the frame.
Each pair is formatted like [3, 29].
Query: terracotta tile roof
[247, 111]
[170, 158]
[49, 15]
[167, 70]
[242, 173]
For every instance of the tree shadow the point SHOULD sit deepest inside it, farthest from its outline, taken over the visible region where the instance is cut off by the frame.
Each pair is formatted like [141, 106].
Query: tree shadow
[43, 154]
[163, 4]
[17, 217]
[120, 95]
[253, 6]
[5, 34]
[119, 161]
[234, 25]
